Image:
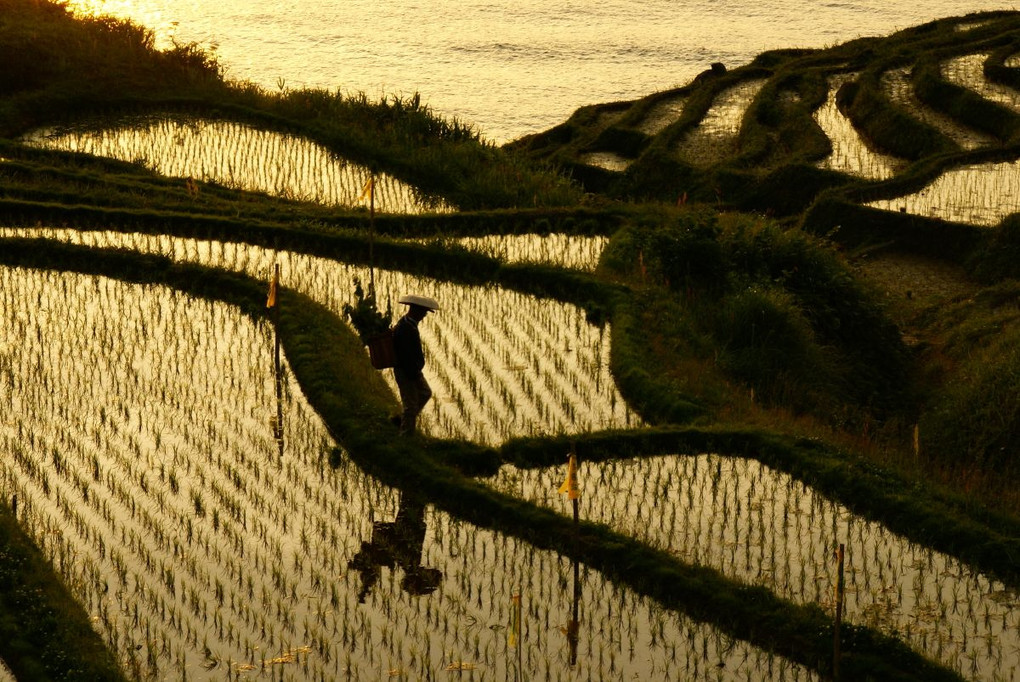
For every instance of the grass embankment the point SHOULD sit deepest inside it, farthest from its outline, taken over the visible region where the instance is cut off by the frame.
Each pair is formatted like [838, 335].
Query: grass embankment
[330, 364]
[44, 633]
[742, 300]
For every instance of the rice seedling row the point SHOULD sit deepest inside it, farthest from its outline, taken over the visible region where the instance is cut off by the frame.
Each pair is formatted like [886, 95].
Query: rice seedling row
[541, 362]
[241, 157]
[896, 85]
[964, 26]
[761, 526]
[204, 553]
[850, 154]
[715, 138]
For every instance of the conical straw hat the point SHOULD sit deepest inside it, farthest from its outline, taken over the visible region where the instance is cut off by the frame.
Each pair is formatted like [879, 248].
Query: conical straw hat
[422, 301]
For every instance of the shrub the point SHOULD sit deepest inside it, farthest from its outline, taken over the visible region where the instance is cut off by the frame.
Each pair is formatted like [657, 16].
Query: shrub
[684, 254]
[975, 425]
[999, 257]
[365, 315]
[767, 342]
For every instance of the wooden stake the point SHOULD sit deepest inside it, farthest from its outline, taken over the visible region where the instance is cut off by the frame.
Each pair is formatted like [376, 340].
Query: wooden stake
[836, 654]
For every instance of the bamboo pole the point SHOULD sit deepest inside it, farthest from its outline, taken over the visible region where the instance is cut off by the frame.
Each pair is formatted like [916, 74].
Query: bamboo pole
[573, 625]
[371, 236]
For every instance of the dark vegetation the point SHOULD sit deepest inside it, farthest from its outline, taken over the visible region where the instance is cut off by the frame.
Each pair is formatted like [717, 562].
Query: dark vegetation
[738, 325]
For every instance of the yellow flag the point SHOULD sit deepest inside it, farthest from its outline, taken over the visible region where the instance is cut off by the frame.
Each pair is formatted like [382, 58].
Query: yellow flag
[368, 188]
[570, 482]
[271, 300]
[515, 621]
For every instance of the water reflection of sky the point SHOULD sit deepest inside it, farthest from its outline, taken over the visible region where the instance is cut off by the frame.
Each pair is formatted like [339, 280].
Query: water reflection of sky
[153, 481]
[850, 154]
[715, 137]
[897, 86]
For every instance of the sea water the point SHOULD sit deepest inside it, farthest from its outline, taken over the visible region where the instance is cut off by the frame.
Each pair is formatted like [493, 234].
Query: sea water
[508, 67]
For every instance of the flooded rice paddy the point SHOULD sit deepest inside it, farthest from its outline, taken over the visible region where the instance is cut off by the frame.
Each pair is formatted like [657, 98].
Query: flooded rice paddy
[763, 527]
[968, 71]
[501, 364]
[577, 252]
[715, 137]
[850, 154]
[897, 87]
[190, 502]
[977, 194]
[610, 161]
[661, 115]
[177, 479]
[240, 157]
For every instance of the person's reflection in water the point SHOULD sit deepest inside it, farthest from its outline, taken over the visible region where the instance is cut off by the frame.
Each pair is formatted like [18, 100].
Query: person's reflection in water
[398, 544]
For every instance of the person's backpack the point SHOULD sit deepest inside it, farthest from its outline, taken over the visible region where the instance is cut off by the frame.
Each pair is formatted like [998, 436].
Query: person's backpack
[381, 350]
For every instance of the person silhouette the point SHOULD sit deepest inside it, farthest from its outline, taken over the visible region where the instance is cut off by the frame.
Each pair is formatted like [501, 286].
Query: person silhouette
[415, 391]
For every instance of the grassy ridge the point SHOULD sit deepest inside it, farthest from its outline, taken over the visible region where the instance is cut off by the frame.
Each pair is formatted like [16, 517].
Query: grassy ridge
[773, 309]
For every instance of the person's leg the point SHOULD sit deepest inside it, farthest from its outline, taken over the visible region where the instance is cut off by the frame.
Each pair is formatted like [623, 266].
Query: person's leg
[424, 392]
[405, 385]
[414, 393]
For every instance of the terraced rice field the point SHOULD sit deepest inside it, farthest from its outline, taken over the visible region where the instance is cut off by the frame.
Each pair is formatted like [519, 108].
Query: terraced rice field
[662, 115]
[715, 138]
[610, 161]
[575, 252]
[897, 86]
[173, 472]
[968, 71]
[850, 154]
[976, 194]
[190, 505]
